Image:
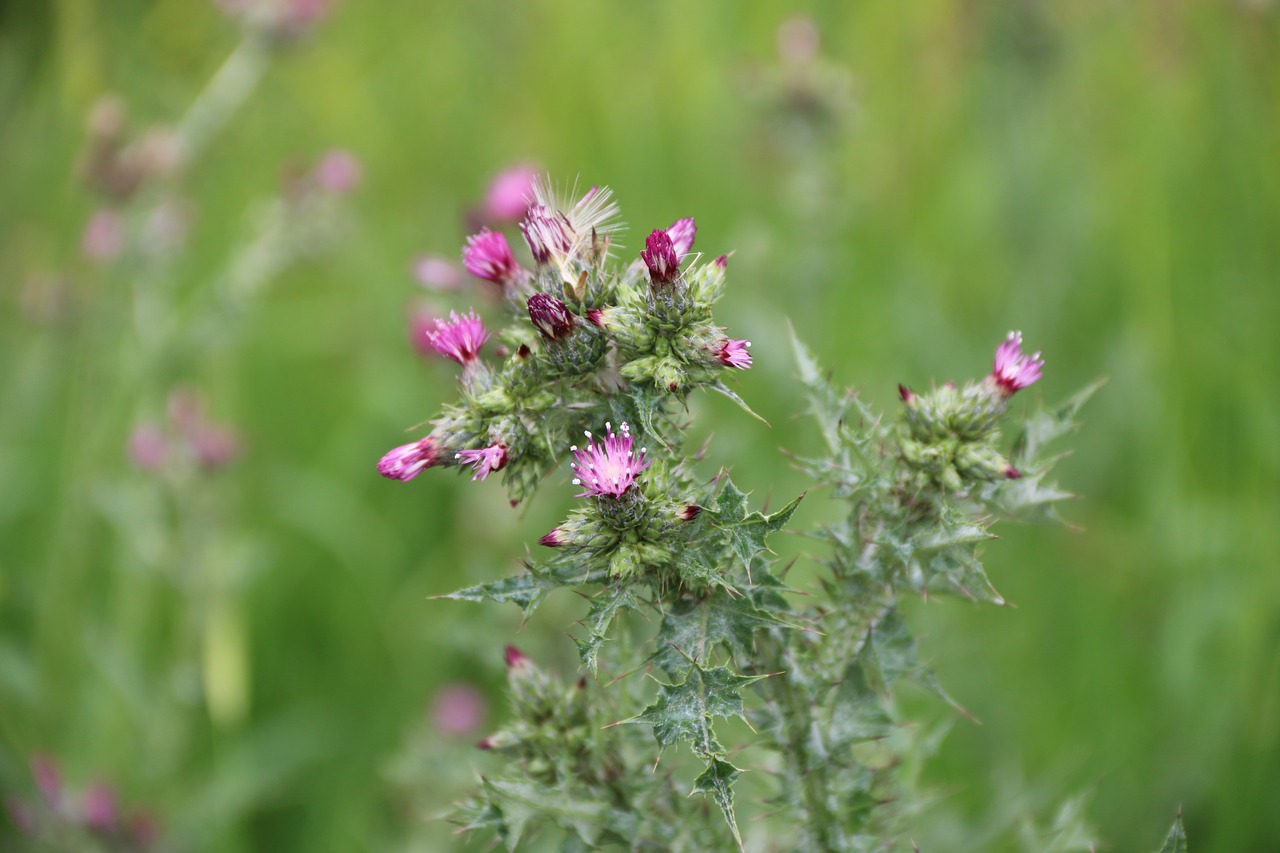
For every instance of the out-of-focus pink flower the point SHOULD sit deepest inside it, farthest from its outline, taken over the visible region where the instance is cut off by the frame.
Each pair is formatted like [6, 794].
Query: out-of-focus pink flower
[459, 709]
[104, 236]
[437, 273]
[1013, 369]
[460, 338]
[302, 14]
[22, 814]
[421, 324]
[798, 40]
[509, 194]
[659, 255]
[487, 256]
[100, 808]
[735, 353]
[148, 447]
[485, 461]
[682, 233]
[213, 445]
[609, 468]
[338, 172]
[144, 828]
[409, 460]
[44, 769]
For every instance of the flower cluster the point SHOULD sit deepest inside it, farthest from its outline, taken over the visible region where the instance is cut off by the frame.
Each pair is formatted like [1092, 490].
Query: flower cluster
[588, 341]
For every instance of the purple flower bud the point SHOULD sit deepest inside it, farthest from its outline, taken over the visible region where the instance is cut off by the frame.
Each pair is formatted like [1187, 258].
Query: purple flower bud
[515, 658]
[722, 262]
[486, 743]
[488, 256]
[553, 539]
[682, 232]
[1012, 473]
[908, 396]
[735, 353]
[1013, 369]
[609, 468]
[460, 338]
[660, 257]
[100, 808]
[507, 199]
[690, 512]
[409, 460]
[597, 318]
[551, 317]
[485, 461]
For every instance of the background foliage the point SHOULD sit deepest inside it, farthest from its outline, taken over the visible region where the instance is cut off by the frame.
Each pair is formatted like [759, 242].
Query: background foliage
[1102, 176]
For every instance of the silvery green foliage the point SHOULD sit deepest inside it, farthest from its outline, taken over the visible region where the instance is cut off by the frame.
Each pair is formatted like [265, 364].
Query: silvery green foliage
[678, 575]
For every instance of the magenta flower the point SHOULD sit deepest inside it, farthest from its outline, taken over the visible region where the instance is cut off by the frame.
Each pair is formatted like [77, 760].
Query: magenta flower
[488, 256]
[1013, 368]
[337, 171]
[660, 257]
[551, 316]
[409, 460]
[507, 199]
[607, 469]
[460, 338]
[459, 709]
[682, 232]
[735, 354]
[553, 538]
[99, 806]
[485, 461]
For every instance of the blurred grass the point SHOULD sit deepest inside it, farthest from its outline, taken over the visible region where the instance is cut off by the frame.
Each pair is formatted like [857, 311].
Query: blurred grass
[1102, 176]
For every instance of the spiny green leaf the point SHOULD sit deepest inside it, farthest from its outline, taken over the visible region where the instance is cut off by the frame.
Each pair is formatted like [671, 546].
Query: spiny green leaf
[695, 628]
[717, 781]
[1043, 426]
[525, 804]
[529, 589]
[747, 531]
[1030, 499]
[1176, 841]
[605, 607]
[857, 714]
[685, 710]
[827, 406]
[889, 654]
[732, 395]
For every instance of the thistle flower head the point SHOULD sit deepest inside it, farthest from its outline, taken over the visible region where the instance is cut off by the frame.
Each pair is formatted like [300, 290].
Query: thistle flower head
[660, 256]
[551, 317]
[548, 233]
[1013, 368]
[459, 338]
[609, 468]
[682, 232]
[485, 461]
[488, 256]
[735, 353]
[409, 460]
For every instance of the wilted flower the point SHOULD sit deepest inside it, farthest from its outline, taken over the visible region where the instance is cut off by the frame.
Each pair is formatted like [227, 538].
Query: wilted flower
[607, 469]
[659, 255]
[409, 460]
[1013, 368]
[547, 232]
[488, 256]
[735, 353]
[485, 461]
[551, 317]
[459, 338]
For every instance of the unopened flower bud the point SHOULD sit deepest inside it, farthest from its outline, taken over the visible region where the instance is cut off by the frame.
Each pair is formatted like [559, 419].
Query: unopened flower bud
[551, 317]
[553, 538]
[1012, 473]
[722, 262]
[690, 512]
[660, 257]
[597, 318]
[908, 396]
[515, 658]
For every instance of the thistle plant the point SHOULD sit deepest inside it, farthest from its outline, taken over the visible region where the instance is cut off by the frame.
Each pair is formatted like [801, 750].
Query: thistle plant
[591, 378]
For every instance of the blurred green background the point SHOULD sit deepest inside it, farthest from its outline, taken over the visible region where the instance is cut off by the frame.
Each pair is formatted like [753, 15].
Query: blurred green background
[248, 657]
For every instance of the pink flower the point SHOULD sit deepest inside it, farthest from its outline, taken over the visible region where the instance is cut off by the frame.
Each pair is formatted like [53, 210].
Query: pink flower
[409, 460]
[735, 354]
[421, 325]
[437, 273]
[214, 445]
[148, 447]
[1013, 368]
[660, 257]
[458, 709]
[551, 316]
[515, 658]
[485, 461]
[48, 778]
[460, 338]
[488, 256]
[553, 538]
[682, 232]
[104, 236]
[337, 171]
[607, 469]
[100, 808]
[507, 199]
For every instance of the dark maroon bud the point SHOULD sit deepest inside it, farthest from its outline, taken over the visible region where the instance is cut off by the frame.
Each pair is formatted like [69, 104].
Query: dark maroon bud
[551, 317]
[515, 657]
[722, 262]
[1012, 473]
[596, 317]
[908, 396]
[524, 351]
[554, 539]
[487, 743]
[690, 512]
